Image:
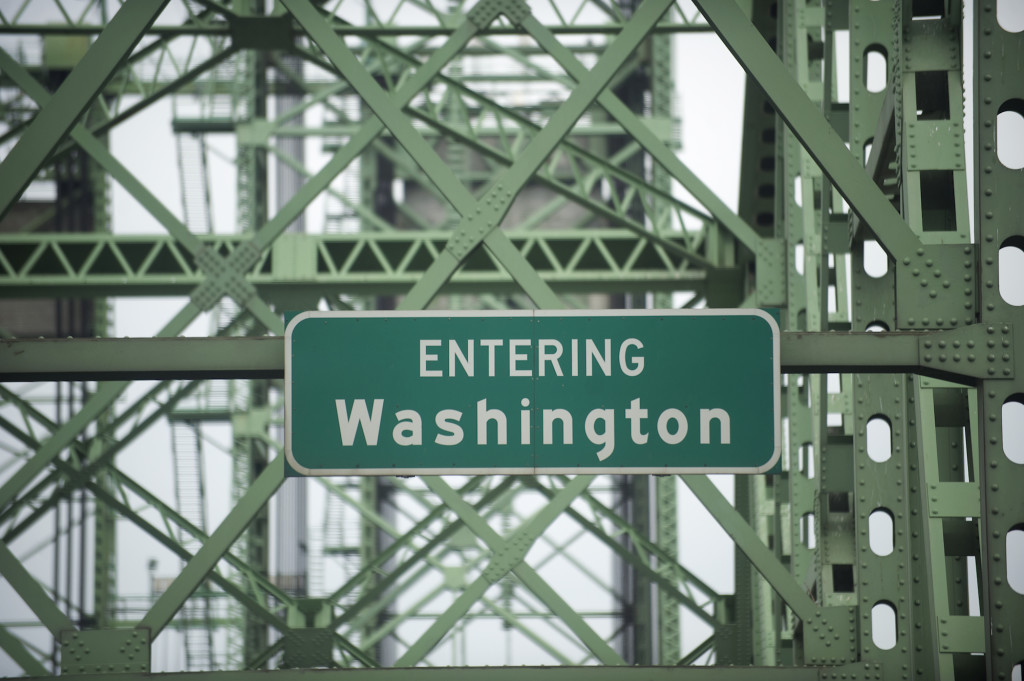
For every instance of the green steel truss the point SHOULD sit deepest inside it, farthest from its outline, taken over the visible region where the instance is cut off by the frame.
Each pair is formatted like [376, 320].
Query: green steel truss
[581, 261]
[491, 155]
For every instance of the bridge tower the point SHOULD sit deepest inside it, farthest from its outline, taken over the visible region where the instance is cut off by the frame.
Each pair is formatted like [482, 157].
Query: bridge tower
[178, 176]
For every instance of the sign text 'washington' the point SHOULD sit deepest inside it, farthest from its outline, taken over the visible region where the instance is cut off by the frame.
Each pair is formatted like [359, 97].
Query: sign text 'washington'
[652, 391]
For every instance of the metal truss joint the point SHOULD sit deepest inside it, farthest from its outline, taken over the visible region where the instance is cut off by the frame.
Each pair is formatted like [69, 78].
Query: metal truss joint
[505, 560]
[486, 11]
[936, 287]
[830, 636]
[309, 642]
[479, 224]
[980, 351]
[104, 651]
[225, 276]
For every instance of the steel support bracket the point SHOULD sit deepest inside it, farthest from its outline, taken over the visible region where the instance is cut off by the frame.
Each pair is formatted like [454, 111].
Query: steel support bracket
[830, 636]
[928, 282]
[105, 651]
[980, 351]
[961, 633]
[486, 11]
[508, 557]
[225, 276]
[954, 500]
[309, 642]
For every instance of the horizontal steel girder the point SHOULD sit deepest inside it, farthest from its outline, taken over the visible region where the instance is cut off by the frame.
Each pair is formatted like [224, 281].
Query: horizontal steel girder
[504, 674]
[942, 354]
[98, 265]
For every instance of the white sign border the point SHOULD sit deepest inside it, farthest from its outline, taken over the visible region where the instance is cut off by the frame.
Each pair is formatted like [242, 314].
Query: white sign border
[581, 470]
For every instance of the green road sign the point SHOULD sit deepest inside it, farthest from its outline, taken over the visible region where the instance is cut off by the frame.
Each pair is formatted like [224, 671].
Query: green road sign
[429, 393]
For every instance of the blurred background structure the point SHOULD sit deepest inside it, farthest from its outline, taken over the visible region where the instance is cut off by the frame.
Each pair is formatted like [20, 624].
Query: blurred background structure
[194, 169]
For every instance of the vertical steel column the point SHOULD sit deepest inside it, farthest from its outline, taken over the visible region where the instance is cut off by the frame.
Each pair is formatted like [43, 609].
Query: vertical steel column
[796, 491]
[760, 204]
[900, 450]
[251, 106]
[805, 209]
[668, 616]
[636, 491]
[878, 485]
[999, 204]
[928, 131]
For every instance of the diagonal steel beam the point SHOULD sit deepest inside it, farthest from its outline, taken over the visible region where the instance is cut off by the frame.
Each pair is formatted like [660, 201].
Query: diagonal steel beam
[494, 205]
[361, 139]
[82, 478]
[809, 126]
[97, 404]
[751, 545]
[608, 165]
[646, 138]
[382, 104]
[370, 596]
[479, 222]
[171, 600]
[98, 151]
[533, 581]
[35, 597]
[16, 649]
[633, 558]
[250, 602]
[75, 94]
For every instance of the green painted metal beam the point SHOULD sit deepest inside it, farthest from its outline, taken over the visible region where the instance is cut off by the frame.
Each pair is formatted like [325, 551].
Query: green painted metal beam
[666, 581]
[807, 123]
[197, 569]
[591, 261]
[13, 646]
[998, 230]
[353, 71]
[928, 353]
[510, 554]
[76, 93]
[97, 404]
[577, 673]
[747, 541]
[498, 198]
[380, 31]
[646, 138]
[35, 597]
[99, 152]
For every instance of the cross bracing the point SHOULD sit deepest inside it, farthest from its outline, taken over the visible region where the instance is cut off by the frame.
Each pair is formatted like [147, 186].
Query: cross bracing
[492, 155]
